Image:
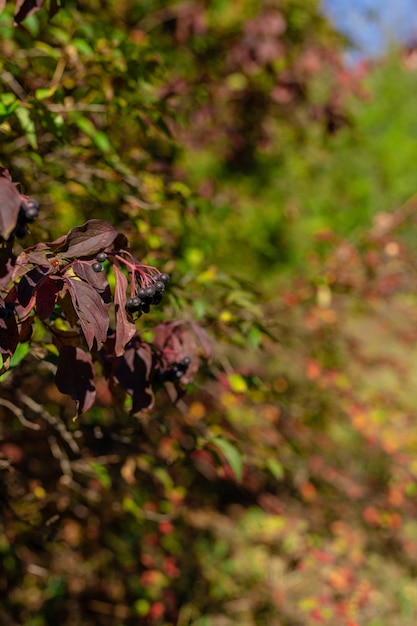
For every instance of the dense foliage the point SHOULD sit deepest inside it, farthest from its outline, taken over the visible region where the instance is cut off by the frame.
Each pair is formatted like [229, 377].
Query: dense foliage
[244, 452]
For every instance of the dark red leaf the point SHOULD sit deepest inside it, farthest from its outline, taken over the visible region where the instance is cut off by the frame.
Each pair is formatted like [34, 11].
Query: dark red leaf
[88, 239]
[9, 336]
[75, 376]
[135, 372]
[91, 310]
[47, 295]
[67, 307]
[21, 311]
[120, 242]
[4, 173]
[125, 330]
[25, 329]
[37, 255]
[24, 8]
[30, 282]
[7, 264]
[10, 202]
[178, 340]
[98, 280]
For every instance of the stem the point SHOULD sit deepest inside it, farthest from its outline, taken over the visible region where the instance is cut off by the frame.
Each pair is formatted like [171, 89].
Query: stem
[137, 268]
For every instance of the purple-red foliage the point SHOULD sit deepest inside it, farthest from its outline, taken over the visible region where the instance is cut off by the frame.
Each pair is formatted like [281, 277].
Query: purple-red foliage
[62, 280]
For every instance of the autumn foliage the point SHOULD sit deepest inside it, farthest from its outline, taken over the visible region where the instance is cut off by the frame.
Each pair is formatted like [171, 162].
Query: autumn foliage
[63, 281]
[207, 321]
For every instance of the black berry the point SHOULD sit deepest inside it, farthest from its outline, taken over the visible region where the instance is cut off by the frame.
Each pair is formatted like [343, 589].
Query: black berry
[101, 257]
[145, 307]
[142, 293]
[159, 285]
[156, 299]
[164, 277]
[175, 371]
[30, 210]
[150, 291]
[97, 267]
[133, 304]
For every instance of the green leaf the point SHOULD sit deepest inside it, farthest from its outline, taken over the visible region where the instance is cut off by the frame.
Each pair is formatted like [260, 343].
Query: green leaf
[102, 474]
[27, 125]
[232, 454]
[237, 383]
[8, 99]
[43, 93]
[102, 141]
[254, 337]
[141, 607]
[275, 468]
[99, 138]
[8, 104]
[18, 356]
[85, 125]
[200, 307]
[83, 47]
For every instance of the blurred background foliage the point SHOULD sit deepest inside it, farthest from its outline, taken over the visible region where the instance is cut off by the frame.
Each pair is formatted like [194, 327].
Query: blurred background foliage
[239, 153]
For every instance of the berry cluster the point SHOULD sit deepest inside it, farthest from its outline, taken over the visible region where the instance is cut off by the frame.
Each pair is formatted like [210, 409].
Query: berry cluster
[175, 371]
[29, 211]
[148, 294]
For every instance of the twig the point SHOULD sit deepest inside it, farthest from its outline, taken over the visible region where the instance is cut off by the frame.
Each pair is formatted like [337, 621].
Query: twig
[55, 422]
[19, 414]
[385, 223]
[14, 85]
[90, 108]
[59, 71]
[60, 456]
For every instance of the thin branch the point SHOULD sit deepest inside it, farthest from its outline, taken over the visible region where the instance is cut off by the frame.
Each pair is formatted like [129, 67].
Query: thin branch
[60, 456]
[90, 108]
[14, 85]
[19, 414]
[385, 223]
[54, 421]
[59, 71]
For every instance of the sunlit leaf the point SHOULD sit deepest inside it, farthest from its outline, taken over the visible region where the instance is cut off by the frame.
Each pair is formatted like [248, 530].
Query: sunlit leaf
[88, 239]
[275, 468]
[102, 141]
[43, 93]
[231, 453]
[28, 126]
[10, 201]
[91, 310]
